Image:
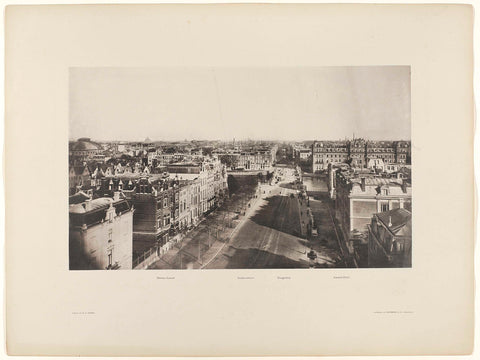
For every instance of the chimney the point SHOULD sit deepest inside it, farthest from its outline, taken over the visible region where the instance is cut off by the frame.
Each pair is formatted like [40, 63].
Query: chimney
[404, 186]
[116, 196]
[88, 205]
[362, 185]
[389, 221]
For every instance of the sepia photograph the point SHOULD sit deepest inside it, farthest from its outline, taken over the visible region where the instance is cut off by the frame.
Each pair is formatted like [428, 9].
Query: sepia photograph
[258, 161]
[240, 168]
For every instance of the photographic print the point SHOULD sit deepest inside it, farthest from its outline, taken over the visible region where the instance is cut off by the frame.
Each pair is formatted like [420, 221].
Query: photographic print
[240, 168]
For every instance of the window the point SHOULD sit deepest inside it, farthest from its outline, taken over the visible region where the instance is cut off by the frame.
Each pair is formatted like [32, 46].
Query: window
[384, 207]
[110, 235]
[384, 191]
[165, 202]
[398, 246]
[110, 257]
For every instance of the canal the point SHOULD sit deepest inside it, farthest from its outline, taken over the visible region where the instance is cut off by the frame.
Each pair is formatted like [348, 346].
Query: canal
[315, 184]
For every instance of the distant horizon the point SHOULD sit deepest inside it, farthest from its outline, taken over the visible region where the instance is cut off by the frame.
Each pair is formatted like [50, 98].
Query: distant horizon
[270, 104]
[231, 140]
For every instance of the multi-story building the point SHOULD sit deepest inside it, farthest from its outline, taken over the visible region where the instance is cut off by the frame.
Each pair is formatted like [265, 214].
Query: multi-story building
[164, 159]
[377, 165]
[165, 203]
[360, 195]
[194, 195]
[211, 177]
[381, 150]
[403, 152]
[301, 152]
[152, 219]
[359, 153]
[100, 235]
[304, 154]
[250, 158]
[390, 239]
[175, 207]
[254, 160]
[184, 216]
[328, 152]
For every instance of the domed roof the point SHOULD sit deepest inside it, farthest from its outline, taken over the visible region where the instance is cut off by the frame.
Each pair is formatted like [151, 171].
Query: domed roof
[85, 144]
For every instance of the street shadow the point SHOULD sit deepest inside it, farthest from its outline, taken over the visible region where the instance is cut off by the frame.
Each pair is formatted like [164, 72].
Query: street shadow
[279, 213]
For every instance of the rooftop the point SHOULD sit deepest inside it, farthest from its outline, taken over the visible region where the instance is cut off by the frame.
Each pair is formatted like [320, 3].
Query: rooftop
[85, 144]
[398, 221]
[376, 181]
[81, 208]
[94, 211]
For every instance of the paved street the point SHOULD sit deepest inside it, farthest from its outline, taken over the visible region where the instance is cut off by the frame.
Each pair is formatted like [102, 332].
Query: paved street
[274, 236]
[201, 244]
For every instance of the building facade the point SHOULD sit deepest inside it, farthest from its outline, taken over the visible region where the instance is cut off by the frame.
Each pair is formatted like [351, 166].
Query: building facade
[359, 196]
[360, 153]
[100, 234]
[328, 152]
[152, 220]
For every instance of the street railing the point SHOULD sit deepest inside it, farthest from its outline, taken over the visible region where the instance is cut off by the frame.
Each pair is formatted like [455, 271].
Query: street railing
[144, 256]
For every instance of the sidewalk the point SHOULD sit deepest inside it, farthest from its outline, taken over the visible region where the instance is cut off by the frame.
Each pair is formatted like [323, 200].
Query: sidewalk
[254, 205]
[200, 246]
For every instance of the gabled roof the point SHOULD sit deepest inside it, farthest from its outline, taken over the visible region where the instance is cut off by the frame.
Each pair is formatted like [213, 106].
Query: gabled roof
[398, 221]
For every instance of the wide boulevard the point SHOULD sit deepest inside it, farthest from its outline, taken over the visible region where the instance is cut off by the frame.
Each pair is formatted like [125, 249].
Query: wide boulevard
[274, 233]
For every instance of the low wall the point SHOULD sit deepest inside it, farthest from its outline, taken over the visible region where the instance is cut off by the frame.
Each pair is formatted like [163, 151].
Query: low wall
[156, 254]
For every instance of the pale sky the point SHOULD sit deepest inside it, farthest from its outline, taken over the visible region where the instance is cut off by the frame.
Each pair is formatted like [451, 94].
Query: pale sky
[302, 103]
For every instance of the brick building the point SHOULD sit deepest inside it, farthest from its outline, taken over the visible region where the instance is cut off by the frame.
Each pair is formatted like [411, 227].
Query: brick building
[151, 223]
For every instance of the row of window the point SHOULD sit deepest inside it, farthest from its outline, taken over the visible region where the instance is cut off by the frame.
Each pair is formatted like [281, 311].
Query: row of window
[165, 221]
[369, 150]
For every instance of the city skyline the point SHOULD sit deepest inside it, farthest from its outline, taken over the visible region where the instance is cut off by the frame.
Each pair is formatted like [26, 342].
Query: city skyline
[236, 140]
[270, 104]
